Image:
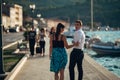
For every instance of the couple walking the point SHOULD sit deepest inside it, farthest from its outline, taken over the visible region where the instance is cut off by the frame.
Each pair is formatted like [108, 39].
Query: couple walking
[33, 37]
[58, 54]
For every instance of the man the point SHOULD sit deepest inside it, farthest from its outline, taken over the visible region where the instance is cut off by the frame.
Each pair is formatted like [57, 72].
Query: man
[32, 39]
[76, 56]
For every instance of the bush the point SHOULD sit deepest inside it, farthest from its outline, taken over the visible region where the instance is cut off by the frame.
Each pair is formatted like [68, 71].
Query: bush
[10, 60]
[25, 34]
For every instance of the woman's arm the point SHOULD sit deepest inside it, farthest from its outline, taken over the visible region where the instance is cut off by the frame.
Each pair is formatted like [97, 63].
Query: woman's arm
[37, 37]
[66, 44]
[50, 48]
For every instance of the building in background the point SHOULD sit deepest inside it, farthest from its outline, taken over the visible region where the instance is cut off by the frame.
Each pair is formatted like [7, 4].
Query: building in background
[12, 16]
[5, 15]
[16, 15]
[5, 21]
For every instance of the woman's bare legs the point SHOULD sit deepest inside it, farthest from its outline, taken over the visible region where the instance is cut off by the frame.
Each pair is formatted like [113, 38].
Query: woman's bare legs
[56, 76]
[62, 74]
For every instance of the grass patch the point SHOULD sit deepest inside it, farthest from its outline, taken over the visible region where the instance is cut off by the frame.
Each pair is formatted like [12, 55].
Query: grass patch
[10, 60]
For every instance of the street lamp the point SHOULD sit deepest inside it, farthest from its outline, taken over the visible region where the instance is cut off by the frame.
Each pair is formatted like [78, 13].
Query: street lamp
[1, 47]
[92, 14]
[4, 3]
[38, 15]
[32, 7]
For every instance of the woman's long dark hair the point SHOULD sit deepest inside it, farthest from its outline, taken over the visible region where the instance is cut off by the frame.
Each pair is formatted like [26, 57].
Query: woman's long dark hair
[58, 30]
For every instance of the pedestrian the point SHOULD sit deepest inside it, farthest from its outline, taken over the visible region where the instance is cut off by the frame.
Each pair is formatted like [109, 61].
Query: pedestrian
[76, 56]
[4, 30]
[42, 41]
[32, 39]
[52, 31]
[57, 52]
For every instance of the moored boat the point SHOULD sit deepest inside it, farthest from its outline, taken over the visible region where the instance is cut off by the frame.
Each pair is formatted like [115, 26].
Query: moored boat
[106, 48]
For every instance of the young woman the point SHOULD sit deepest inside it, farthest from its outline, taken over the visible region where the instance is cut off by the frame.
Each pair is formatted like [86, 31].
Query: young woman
[52, 31]
[42, 41]
[57, 54]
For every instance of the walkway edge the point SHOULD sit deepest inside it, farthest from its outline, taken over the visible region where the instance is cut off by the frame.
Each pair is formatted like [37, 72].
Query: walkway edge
[18, 41]
[17, 68]
[101, 69]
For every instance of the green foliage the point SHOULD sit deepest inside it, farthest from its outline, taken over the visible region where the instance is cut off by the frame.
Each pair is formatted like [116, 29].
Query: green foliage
[105, 11]
[10, 60]
[25, 34]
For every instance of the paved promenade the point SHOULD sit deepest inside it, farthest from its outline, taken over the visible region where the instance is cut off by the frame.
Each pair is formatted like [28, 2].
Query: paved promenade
[37, 68]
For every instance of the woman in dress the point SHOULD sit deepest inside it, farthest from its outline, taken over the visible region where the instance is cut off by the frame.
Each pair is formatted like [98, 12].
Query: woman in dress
[57, 53]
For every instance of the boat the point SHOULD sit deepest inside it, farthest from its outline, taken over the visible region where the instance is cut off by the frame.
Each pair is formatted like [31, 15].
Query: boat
[91, 40]
[106, 48]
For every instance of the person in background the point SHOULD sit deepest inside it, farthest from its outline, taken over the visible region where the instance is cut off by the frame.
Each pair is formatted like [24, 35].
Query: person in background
[52, 31]
[32, 40]
[76, 56]
[57, 52]
[42, 41]
[4, 30]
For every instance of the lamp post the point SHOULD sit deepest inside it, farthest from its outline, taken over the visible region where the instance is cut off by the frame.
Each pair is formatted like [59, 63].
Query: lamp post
[91, 14]
[1, 48]
[32, 7]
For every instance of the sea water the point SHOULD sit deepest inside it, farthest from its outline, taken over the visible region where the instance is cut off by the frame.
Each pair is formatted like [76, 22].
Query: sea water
[106, 36]
[110, 62]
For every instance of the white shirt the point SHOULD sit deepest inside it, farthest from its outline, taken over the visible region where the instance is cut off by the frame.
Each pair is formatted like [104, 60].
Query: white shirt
[79, 36]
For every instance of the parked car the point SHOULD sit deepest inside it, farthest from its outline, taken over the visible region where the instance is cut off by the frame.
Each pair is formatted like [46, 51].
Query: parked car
[14, 29]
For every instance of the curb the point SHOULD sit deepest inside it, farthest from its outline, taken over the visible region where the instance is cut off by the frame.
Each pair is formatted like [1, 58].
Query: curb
[17, 68]
[19, 41]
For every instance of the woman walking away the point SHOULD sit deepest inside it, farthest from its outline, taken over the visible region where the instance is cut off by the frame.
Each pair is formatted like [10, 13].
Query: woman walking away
[42, 41]
[57, 52]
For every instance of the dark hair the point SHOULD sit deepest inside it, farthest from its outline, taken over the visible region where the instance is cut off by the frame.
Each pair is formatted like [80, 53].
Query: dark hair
[59, 27]
[42, 29]
[52, 30]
